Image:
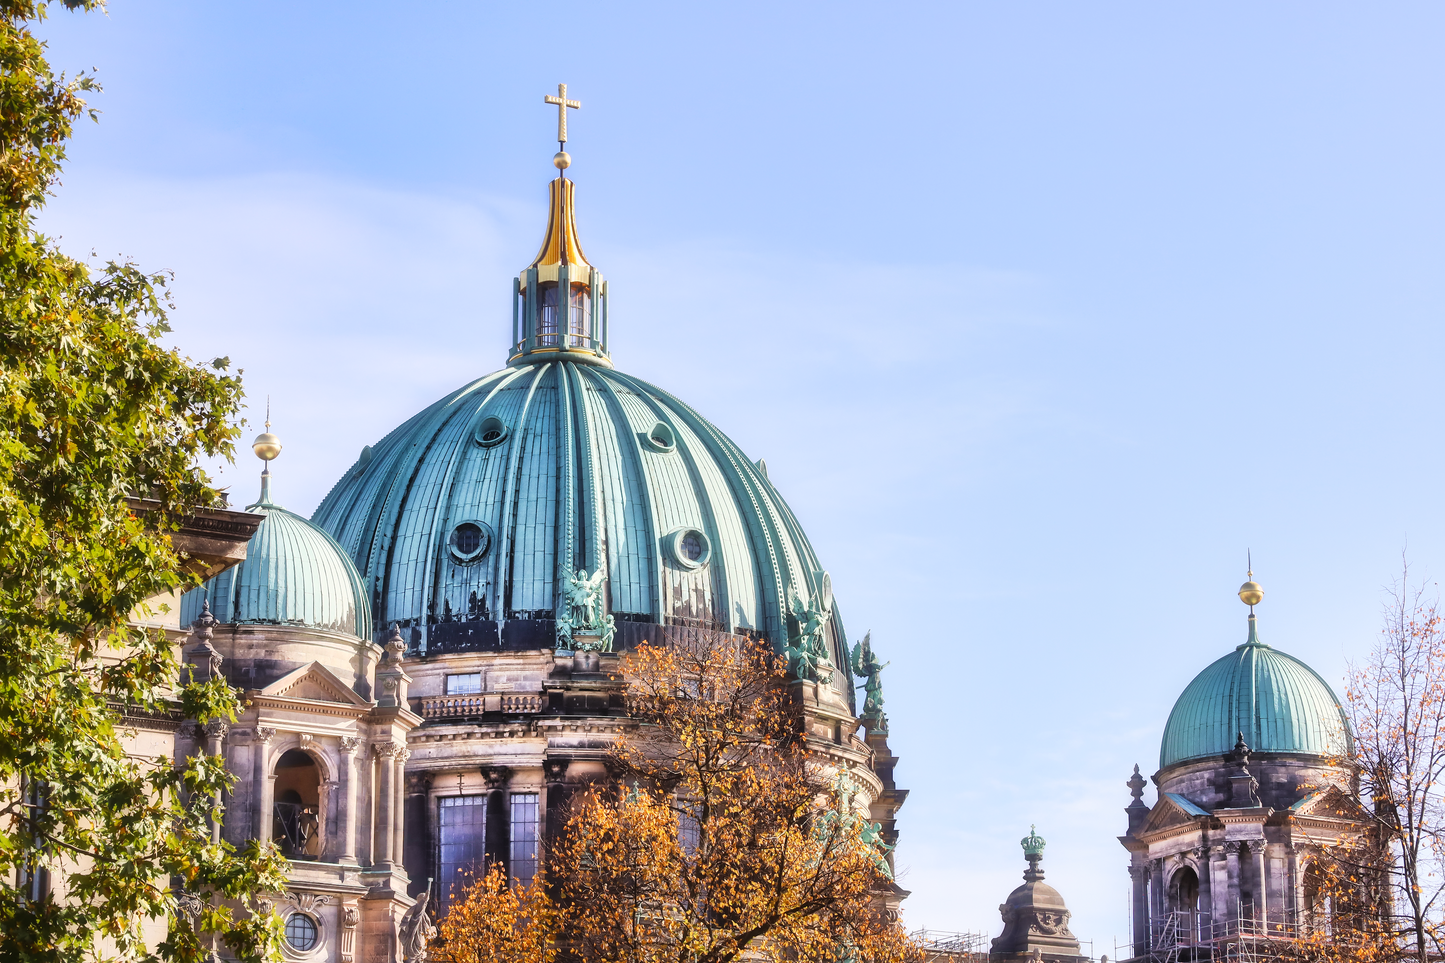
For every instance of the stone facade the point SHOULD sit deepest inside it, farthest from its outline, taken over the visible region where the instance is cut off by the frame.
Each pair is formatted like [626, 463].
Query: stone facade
[1224, 852]
[378, 801]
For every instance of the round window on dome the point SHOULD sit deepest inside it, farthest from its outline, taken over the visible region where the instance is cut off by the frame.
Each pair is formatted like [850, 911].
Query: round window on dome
[689, 547]
[470, 540]
[490, 431]
[301, 932]
[659, 438]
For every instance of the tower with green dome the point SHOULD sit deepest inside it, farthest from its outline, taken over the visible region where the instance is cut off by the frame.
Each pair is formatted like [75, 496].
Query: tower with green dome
[1254, 778]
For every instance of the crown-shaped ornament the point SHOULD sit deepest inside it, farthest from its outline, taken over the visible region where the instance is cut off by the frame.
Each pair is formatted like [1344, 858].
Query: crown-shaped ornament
[1033, 845]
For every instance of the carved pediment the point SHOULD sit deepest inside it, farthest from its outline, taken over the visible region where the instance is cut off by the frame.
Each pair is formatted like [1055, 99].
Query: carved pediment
[314, 683]
[1171, 812]
[1330, 803]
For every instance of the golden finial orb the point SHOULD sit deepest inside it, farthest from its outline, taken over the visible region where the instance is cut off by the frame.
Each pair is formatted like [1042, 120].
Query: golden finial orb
[1250, 593]
[267, 446]
[562, 160]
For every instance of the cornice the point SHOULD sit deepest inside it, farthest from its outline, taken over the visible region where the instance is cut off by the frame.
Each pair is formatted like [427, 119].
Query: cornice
[308, 706]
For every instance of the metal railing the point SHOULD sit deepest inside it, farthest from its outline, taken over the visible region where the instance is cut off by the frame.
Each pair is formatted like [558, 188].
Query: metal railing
[549, 339]
[298, 824]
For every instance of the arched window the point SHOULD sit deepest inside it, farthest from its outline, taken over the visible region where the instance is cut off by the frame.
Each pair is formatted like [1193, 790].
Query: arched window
[579, 320]
[547, 313]
[1184, 902]
[295, 815]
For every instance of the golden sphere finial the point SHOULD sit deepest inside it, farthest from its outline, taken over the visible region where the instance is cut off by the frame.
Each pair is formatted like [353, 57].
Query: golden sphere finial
[562, 160]
[267, 446]
[1250, 593]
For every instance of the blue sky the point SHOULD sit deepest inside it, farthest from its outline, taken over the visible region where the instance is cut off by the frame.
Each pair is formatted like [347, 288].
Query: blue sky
[1041, 314]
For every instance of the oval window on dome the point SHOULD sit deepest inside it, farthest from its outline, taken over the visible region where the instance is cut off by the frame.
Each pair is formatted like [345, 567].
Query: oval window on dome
[470, 540]
[659, 438]
[490, 431]
[689, 547]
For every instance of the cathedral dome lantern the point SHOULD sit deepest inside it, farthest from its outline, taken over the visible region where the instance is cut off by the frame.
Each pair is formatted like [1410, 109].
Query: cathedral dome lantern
[559, 302]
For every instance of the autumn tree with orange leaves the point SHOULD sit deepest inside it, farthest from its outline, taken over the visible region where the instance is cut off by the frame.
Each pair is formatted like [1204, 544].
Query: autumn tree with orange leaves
[1396, 702]
[722, 836]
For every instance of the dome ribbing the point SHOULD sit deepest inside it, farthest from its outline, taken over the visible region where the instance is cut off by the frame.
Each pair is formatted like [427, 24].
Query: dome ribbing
[294, 574]
[1277, 702]
[555, 467]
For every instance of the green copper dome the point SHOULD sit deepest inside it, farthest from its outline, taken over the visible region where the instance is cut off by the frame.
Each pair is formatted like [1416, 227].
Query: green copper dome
[469, 513]
[559, 488]
[294, 574]
[1277, 702]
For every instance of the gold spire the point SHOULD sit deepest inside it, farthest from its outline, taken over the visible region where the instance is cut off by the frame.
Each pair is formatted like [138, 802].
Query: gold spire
[266, 446]
[560, 244]
[1250, 593]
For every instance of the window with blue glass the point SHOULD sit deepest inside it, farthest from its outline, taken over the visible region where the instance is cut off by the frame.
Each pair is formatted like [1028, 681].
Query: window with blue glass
[462, 834]
[524, 836]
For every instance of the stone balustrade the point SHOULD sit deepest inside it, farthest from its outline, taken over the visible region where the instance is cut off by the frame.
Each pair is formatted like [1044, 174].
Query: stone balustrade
[459, 706]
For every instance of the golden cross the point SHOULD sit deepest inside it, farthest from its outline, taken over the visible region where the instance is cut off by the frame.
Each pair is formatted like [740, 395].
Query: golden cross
[562, 104]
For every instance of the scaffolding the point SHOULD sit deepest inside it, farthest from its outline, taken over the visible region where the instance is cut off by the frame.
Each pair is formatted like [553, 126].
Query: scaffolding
[945, 947]
[1184, 937]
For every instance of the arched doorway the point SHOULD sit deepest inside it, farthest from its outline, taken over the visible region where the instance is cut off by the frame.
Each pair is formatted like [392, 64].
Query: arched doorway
[1184, 903]
[295, 816]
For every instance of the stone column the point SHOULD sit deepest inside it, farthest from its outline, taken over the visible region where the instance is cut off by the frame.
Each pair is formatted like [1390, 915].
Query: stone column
[260, 783]
[1160, 902]
[1231, 859]
[398, 805]
[1139, 876]
[215, 736]
[1261, 880]
[499, 820]
[1293, 890]
[1206, 891]
[347, 793]
[385, 799]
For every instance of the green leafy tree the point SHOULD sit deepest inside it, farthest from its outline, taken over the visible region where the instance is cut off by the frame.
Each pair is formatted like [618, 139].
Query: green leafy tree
[94, 410]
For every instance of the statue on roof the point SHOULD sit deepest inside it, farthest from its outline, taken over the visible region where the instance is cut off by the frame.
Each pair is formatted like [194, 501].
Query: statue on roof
[806, 651]
[583, 613]
[866, 666]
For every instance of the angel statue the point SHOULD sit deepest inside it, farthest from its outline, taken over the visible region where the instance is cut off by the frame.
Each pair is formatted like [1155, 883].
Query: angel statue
[583, 595]
[417, 929]
[866, 666]
[806, 653]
